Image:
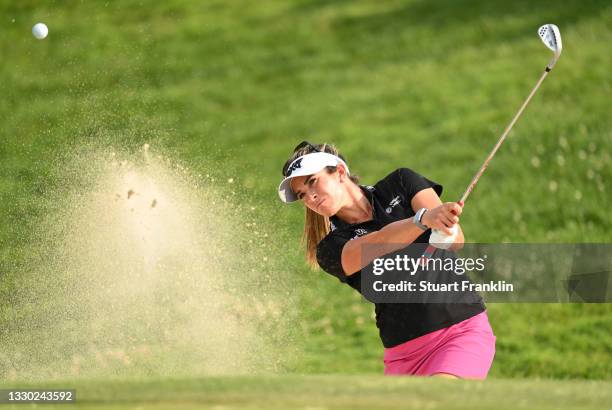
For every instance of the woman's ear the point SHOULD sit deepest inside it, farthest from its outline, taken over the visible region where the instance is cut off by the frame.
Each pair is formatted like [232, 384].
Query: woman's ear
[341, 172]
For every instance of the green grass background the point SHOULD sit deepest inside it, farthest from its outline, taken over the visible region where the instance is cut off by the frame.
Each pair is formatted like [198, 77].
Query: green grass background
[229, 87]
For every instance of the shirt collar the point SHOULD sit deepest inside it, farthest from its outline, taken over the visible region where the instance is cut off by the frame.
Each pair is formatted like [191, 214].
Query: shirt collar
[368, 191]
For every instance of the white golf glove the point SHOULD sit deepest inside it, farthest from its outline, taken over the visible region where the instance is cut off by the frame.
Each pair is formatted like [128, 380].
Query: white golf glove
[441, 240]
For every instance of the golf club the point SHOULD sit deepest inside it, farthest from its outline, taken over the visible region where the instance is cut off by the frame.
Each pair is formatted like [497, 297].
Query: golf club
[551, 37]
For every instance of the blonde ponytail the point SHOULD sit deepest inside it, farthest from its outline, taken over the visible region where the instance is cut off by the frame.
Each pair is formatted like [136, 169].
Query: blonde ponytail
[316, 227]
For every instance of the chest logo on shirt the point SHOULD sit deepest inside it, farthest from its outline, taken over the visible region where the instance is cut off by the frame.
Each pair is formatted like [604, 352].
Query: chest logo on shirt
[359, 232]
[394, 202]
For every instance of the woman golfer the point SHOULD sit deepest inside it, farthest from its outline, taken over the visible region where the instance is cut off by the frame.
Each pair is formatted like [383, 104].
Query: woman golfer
[452, 340]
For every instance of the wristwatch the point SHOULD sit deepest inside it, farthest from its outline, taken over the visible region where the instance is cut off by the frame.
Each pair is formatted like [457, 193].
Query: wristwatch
[418, 217]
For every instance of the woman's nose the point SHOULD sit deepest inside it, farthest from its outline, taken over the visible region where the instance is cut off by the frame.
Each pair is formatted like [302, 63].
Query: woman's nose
[312, 196]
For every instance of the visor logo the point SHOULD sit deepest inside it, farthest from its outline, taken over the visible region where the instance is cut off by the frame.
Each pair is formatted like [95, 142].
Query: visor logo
[296, 165]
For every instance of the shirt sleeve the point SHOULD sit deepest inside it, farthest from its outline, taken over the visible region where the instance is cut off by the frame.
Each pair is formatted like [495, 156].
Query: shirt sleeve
[412, 182]
[329, 254]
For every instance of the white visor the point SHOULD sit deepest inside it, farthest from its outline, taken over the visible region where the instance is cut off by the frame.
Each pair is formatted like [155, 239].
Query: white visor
[306, 165]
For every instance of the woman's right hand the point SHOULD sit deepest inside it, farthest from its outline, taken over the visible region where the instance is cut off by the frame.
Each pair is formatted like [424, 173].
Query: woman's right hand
[442, 217]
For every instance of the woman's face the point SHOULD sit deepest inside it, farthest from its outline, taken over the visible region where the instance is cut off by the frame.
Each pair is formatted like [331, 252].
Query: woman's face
[321, 192]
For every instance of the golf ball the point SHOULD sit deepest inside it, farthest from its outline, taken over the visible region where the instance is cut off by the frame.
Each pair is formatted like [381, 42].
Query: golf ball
[40, 30]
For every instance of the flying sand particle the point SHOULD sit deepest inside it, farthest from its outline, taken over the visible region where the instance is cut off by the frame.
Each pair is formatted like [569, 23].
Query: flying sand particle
[139, 272]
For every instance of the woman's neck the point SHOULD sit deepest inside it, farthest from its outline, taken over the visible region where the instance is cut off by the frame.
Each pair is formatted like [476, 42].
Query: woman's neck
[357, 208]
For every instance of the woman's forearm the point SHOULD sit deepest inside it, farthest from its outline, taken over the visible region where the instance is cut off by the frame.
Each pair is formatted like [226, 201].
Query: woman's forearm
[394, 236]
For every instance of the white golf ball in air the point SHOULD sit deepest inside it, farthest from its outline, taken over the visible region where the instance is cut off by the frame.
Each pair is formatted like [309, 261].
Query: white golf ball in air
[40, 30]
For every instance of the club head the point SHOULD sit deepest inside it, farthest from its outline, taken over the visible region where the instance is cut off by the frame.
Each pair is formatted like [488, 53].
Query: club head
[551, 37]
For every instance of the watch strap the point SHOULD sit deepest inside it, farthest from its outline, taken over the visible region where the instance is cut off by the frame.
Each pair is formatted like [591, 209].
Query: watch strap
[418, 217]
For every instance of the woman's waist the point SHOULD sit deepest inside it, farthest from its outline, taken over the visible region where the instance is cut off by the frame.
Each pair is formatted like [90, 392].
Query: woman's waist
[478, 323]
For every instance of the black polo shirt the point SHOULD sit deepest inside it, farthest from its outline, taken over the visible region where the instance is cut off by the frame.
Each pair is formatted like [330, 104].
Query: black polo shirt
[390, 199]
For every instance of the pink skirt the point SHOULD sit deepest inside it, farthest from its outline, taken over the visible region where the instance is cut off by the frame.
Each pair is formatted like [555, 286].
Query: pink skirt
[465, 349]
